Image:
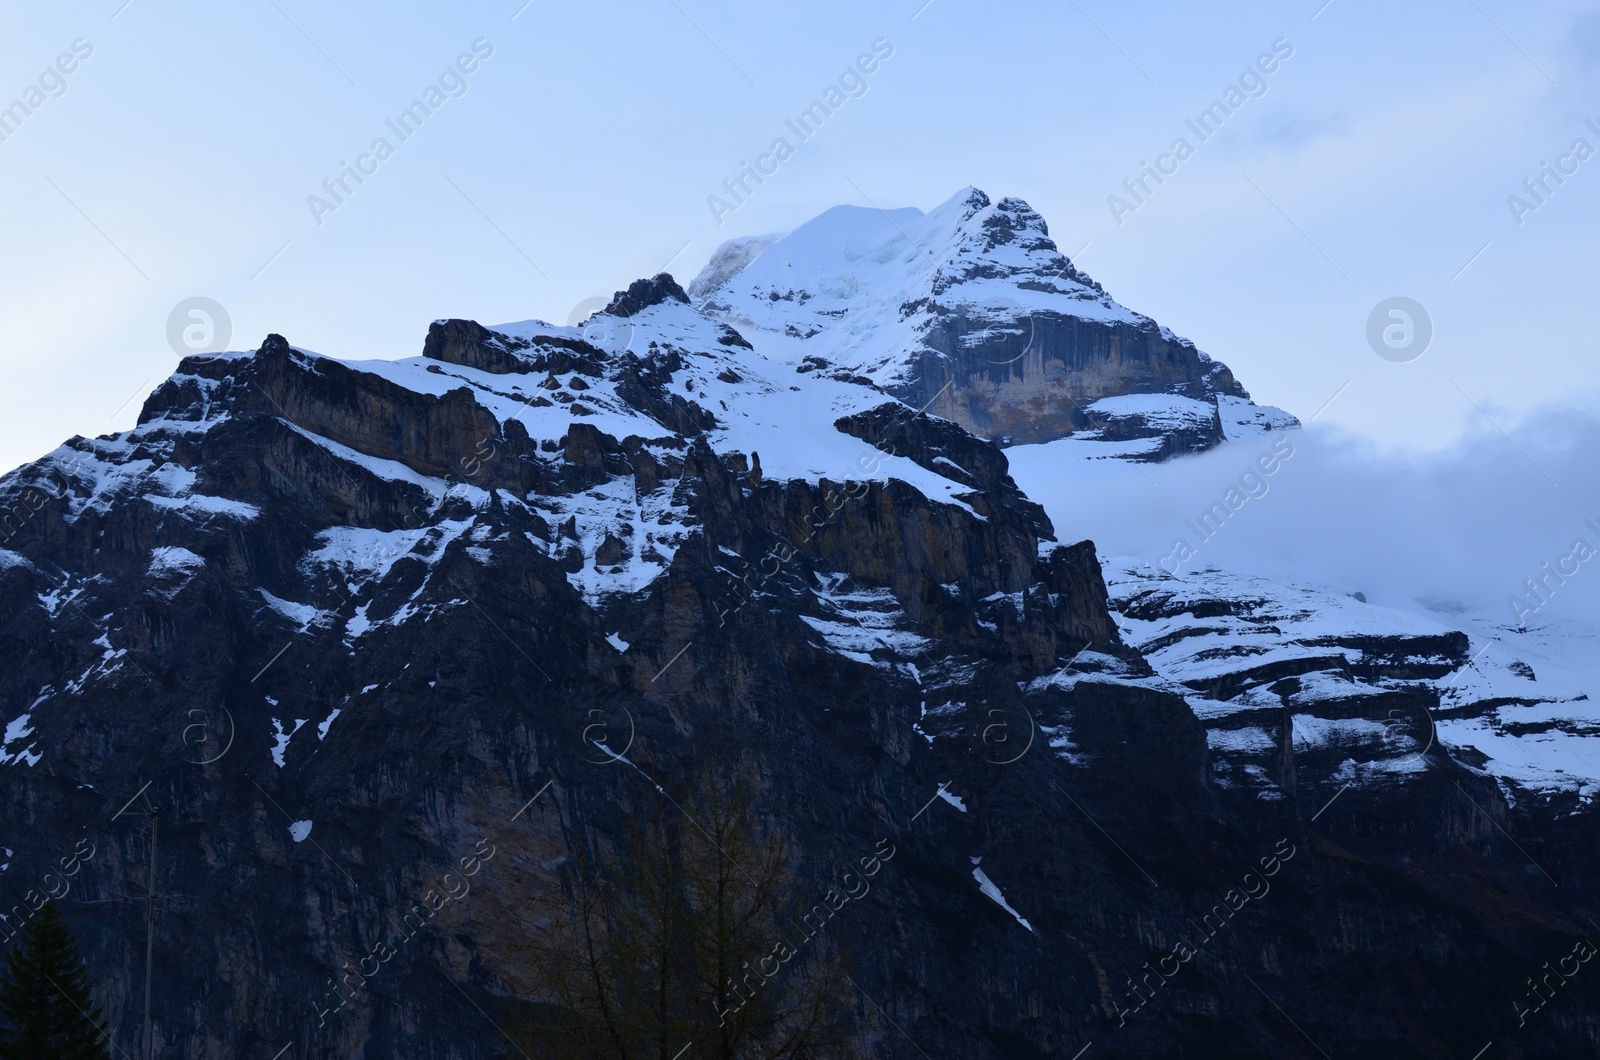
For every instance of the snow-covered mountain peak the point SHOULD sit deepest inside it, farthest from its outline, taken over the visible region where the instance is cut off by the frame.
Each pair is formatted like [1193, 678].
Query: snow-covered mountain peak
[875, 266]
[972, 311]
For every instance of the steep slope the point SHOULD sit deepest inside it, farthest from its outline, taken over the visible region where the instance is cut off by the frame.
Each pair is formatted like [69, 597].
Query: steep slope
[356, 628]
[339, 621]
[1300, 686]
[972, 312]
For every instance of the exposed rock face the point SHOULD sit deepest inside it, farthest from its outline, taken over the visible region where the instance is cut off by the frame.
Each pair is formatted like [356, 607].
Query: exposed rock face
[642, 294]
[352, 627]
[1295, 680]
[972, 312]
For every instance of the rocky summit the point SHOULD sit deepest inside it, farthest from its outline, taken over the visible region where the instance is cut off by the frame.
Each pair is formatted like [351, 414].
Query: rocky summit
[972, 313]
[358, 654]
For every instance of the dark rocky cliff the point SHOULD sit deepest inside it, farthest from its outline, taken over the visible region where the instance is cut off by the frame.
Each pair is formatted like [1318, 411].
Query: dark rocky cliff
[350, 628]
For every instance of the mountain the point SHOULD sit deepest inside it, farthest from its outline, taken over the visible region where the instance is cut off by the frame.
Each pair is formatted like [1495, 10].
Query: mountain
[352, 627]
[971, 312]
[1296, 676]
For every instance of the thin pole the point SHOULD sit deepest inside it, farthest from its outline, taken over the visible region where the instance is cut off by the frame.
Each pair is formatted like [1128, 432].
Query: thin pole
[150, 941]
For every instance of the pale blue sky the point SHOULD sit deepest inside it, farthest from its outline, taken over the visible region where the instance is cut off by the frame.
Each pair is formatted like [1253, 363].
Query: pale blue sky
[179, 158]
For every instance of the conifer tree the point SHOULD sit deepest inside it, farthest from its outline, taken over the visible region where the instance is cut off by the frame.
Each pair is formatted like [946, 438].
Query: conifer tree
[45, 1009]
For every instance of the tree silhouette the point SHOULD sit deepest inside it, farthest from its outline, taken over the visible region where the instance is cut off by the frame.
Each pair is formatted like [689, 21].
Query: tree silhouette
[688, 934]
[45, 1009]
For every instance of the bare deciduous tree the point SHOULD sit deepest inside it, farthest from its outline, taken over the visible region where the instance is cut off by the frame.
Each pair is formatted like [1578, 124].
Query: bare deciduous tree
[684, 940]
